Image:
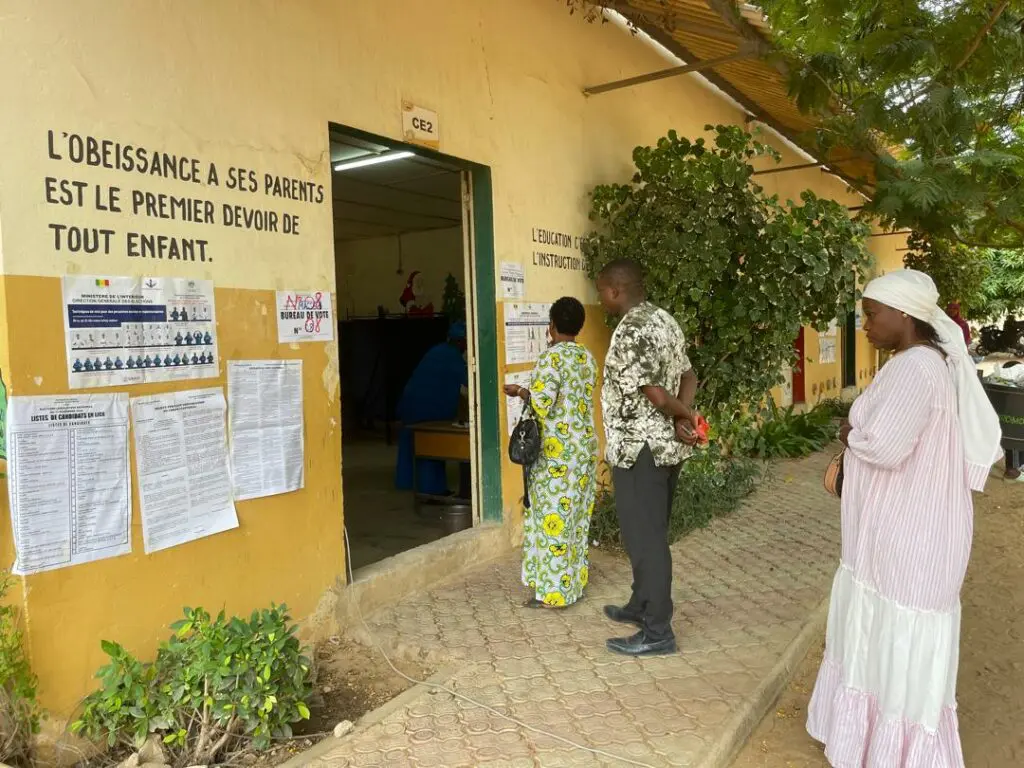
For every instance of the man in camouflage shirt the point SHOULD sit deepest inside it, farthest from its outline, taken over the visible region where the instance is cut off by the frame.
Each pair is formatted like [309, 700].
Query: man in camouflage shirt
[650, 428]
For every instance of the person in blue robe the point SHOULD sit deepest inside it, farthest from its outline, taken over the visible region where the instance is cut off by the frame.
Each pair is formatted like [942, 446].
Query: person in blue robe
[431, 394]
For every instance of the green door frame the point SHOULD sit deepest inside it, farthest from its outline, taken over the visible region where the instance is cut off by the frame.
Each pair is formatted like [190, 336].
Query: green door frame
[488, 424]
[487, 393]
[850, 351]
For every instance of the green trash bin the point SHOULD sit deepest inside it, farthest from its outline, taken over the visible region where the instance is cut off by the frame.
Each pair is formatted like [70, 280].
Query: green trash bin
[1009, 404]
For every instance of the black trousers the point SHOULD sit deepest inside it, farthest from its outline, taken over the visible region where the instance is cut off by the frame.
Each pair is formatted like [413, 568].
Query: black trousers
[643, 500]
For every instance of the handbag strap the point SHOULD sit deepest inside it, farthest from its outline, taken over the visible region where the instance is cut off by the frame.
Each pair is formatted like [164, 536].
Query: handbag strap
[526, 486]
[526, 414]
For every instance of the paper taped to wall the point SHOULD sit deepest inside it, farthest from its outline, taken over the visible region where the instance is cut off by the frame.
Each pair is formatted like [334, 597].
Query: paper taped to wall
[69, 480]
[267, 428]
[526, 332]
[182, 457]
[131, 330]
[304, 316]
[513, 281]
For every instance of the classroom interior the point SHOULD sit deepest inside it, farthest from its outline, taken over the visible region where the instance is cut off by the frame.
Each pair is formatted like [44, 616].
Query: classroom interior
[400, 258]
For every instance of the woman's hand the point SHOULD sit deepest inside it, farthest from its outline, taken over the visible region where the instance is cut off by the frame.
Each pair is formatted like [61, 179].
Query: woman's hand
[514, 390]
[844, 433]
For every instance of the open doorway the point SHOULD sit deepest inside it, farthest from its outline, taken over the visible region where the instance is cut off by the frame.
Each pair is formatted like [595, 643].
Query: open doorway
[402, 256]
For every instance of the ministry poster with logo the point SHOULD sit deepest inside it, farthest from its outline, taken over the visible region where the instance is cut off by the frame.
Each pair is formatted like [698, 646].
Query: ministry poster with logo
[133, 330]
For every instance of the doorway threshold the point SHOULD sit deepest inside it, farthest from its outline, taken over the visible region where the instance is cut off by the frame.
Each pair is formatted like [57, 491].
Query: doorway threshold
[388, 581]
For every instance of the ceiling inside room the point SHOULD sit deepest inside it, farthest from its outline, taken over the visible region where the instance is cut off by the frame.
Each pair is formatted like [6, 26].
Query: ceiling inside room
[387, 199]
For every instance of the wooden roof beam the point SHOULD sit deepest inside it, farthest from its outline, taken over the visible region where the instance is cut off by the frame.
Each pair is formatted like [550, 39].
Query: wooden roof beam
[824, 165]
[662, 74]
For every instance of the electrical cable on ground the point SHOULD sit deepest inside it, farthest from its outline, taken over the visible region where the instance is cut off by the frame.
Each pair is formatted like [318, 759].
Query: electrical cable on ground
[467, 699]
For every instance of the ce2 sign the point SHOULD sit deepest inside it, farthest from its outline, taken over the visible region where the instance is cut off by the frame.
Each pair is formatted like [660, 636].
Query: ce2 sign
[420, 126]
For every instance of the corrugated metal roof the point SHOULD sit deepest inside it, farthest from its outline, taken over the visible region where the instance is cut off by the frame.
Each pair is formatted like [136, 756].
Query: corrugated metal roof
[700, 30]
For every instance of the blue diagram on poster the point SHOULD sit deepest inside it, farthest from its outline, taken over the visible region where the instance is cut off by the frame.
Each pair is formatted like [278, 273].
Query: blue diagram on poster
[132, 330]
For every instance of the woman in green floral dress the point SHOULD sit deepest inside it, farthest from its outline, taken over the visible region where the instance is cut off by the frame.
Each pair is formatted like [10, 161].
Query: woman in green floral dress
[563, 481]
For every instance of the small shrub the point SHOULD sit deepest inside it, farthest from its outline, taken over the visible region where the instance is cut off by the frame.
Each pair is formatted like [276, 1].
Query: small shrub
[836, 407]
[734, 432]
[604, 523]
[710, 486]
[785, 434]
[19, 712]
[216, 684]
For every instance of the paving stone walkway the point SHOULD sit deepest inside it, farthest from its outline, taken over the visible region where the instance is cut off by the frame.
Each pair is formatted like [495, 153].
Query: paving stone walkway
[745, 588]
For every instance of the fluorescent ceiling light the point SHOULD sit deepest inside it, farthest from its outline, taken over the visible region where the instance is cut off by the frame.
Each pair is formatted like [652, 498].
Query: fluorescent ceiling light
[374, 160]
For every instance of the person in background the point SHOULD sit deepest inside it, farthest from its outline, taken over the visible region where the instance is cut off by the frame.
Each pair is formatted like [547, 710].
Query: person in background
[650, 426]
[563, 481]
[953, 310]
[431, 394]
[919, 440]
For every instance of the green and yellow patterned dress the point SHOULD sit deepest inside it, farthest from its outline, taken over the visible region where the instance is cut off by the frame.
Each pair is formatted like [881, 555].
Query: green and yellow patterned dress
[563, 482]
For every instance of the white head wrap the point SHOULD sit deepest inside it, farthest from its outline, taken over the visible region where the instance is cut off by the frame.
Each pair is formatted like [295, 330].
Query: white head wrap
[914, 293]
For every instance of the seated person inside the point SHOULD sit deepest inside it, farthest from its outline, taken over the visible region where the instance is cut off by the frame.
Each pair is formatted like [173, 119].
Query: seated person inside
[434, 393]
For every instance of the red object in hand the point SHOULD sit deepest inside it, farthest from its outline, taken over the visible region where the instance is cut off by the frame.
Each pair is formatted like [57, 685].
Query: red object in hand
[702, 429]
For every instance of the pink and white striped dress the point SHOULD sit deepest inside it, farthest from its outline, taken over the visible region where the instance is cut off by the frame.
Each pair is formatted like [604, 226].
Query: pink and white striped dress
[886, 692]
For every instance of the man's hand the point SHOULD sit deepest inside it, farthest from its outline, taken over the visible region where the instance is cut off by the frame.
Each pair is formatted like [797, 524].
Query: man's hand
[687, 428]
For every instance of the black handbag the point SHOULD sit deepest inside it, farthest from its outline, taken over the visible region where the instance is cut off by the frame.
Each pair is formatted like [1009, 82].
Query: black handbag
[524, 447]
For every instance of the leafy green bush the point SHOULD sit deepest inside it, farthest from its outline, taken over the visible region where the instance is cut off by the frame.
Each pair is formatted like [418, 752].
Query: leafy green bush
[215, 684]
[739, 269]
[710, 486]
[836, 407]
[786, 434]
[734, 432]
[19, 712]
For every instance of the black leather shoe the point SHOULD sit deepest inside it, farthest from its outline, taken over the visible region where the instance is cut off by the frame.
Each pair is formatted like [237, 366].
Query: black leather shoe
[640, 645]
[622, 616]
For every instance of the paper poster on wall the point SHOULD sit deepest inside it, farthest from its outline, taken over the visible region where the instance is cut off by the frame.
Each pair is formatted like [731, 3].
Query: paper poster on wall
[181, 453]
[304, 316]
[526, 332]
[266, 426]
[69, 480]
[514, 405]
[827, 342]
[513, 281]
[786, 387]
[3, 418]
[131, 330]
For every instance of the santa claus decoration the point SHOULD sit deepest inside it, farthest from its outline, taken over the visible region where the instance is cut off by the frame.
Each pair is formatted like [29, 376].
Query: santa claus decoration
[414, 298]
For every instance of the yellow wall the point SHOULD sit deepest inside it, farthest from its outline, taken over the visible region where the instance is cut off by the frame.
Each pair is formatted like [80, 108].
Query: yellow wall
[287, 548]
[368, 269]
[254, 86]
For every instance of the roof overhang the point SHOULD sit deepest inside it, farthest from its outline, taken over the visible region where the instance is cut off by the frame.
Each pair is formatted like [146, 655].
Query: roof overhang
[730, 46]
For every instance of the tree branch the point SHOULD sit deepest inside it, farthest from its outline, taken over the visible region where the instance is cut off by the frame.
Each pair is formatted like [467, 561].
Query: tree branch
[204, 728]
[1017, 225]
[229, 731]
[976, 42]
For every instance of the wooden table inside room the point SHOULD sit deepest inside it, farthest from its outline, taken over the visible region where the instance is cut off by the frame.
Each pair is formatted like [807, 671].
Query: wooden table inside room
[438, 440]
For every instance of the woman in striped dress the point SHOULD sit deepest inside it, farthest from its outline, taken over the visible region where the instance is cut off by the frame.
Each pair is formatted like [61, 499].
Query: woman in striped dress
[920, 439]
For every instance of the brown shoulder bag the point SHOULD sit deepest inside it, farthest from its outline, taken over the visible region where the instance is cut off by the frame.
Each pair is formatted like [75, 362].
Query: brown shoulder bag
[834, 475]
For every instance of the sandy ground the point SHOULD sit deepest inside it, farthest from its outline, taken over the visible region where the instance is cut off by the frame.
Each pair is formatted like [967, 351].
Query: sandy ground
[351, 680]
[991, 683]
